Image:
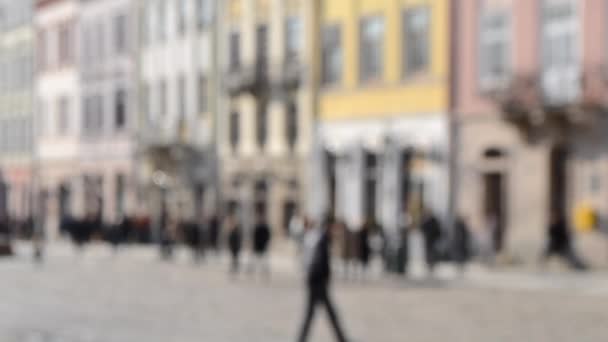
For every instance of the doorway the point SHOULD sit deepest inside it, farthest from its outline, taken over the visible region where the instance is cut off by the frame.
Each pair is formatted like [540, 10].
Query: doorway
[494, 208]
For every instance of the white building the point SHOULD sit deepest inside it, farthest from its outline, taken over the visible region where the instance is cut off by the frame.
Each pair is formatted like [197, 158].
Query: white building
[177, 78]
[58, 106]
[106, 180]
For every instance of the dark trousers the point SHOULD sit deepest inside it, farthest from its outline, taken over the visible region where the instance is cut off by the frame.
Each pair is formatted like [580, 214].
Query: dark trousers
[318, 294]
[234, 260]
[430, 250]
[568, 254]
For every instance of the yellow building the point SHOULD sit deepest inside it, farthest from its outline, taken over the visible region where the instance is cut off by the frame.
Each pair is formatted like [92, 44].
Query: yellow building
[383, 106]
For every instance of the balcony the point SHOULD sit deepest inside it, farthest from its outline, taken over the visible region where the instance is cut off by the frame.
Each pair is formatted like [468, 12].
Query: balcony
[565, 99]
[247, 79]
[290, 77]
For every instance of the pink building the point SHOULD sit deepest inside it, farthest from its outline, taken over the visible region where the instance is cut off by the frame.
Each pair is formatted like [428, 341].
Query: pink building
[529, 102]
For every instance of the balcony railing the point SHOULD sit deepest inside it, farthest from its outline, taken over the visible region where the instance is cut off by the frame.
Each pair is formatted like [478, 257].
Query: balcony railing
[533, 100]
[247, 79]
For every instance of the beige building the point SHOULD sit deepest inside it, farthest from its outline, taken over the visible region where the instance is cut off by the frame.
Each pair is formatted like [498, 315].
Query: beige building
[265, 137]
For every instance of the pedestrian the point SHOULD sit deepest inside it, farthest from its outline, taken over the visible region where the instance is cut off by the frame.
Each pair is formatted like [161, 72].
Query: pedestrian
[560, 243]
[462, 243]
[349, 247]
[235, 240]
[213, 232]
[317, 242]
[167, 225]
[402, 244]
[431, 231]
[364, 250]
[262, 236]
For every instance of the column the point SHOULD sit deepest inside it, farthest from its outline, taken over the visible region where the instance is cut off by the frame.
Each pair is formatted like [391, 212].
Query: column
[277, 142]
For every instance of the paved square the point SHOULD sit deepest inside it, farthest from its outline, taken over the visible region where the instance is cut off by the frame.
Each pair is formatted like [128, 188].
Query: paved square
[134, 297]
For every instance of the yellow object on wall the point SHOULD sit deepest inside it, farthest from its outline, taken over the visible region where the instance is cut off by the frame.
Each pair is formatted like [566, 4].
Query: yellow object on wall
[585, 218]
[394, 94]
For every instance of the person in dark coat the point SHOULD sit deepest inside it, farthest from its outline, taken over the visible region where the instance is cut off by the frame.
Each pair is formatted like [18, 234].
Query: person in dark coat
[462, 243]
[365, 251]
[235, 241]
[431, 231]
[317, 256]
[261, 241]
[213, 230]
[560, 243]
[166, 237]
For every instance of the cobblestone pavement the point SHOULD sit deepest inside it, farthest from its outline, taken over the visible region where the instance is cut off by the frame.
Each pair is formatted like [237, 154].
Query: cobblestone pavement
[132, 296]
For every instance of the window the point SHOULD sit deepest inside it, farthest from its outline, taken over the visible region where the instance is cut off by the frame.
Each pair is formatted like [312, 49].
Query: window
[149, 23]
[262, 123]
[120, 109]
[99, 43]
[332, 55]
[416, 48]
[560, 53]
[182, 96]
[93, 114]
[262, 47]
[162, 98]
[203, 97]
[371, 44]
[162, 21]
[41, 117]
[120, 196]
[291, 123]
[145, 102]
[235, 51]
[65, 46]
[293, 38]
[234, 130]
[205, 14]
[63, 112]
[120, 33]
[494, 46]
[182, 15]
[42, 50]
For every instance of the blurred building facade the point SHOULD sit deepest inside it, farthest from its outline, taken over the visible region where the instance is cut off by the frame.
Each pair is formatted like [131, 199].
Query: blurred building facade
[264, 134]
[104, 183]
[58, 119]
[178, 105]
[383, 103]
[16, 108]
[531, 93]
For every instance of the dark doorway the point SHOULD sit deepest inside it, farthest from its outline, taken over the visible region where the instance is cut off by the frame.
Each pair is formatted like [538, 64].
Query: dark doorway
[405, 177]
[260, 199]
[557, 179]
[331, 160]
[371, 163]
[494, 208]
[3, 200]
[199, 201]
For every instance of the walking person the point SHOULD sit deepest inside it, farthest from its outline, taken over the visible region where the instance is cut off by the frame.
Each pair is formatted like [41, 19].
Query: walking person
[431, 231]
[261, 241]
[365, 251]
[462, 244]
[317, 256]
[214, 233]
[235, 241]
[560, 244]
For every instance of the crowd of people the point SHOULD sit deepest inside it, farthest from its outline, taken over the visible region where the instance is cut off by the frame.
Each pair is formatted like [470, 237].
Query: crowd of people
[355, 246]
